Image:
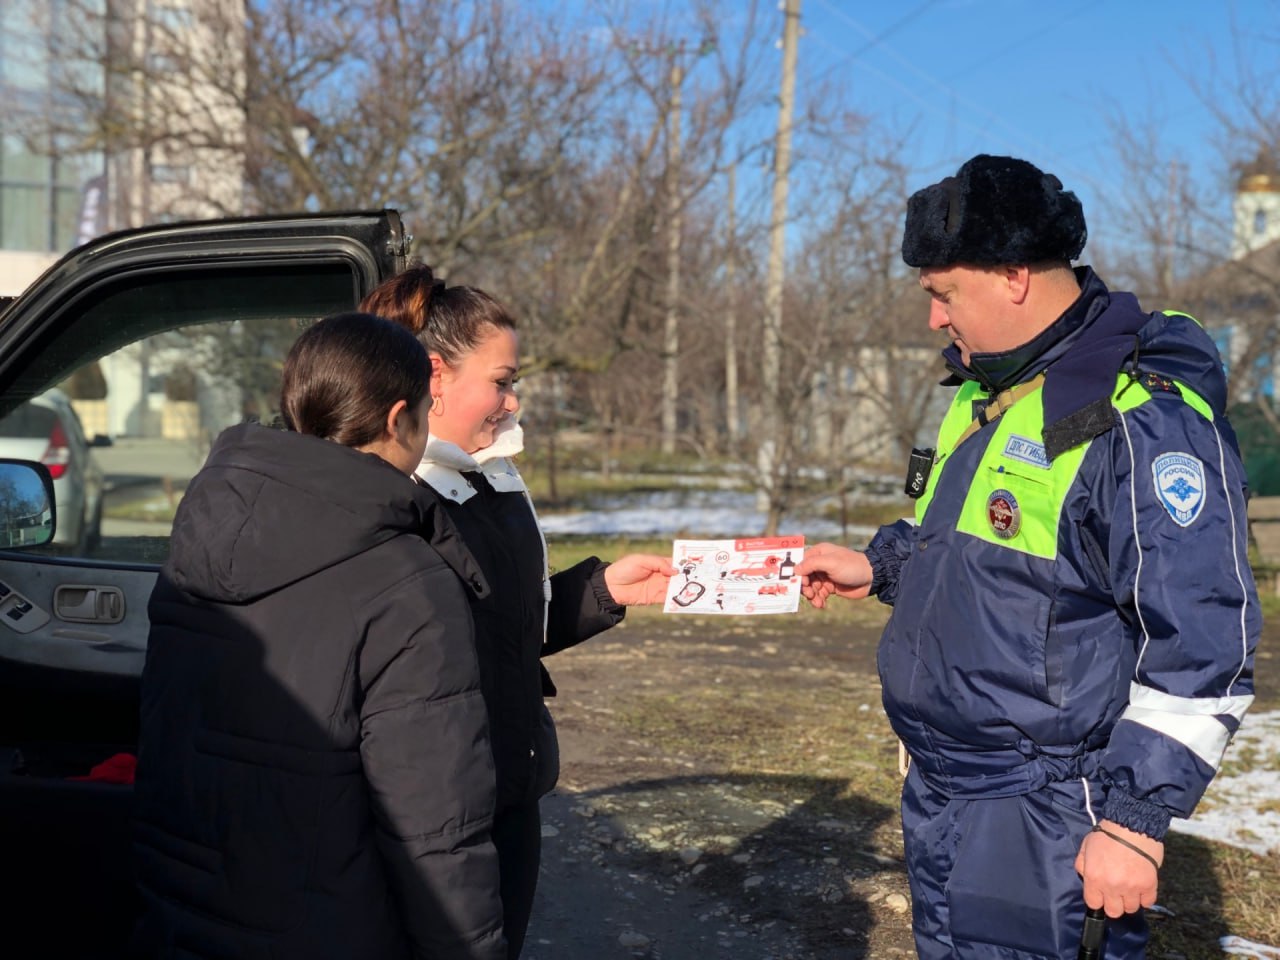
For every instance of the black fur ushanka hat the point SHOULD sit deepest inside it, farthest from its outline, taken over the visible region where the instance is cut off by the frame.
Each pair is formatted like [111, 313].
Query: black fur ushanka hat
[994, 211]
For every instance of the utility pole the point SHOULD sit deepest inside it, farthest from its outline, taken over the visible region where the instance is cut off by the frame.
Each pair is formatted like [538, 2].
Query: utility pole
[1171, 234]
[671, 333]
[770, 469]
[731, 317]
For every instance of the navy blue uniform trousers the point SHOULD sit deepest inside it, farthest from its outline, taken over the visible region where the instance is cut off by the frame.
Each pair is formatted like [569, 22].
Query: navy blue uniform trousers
[994, 878]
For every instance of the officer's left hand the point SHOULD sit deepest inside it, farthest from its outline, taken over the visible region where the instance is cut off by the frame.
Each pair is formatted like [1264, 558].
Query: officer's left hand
[638, 578]
[829, 570]
[1115, 877]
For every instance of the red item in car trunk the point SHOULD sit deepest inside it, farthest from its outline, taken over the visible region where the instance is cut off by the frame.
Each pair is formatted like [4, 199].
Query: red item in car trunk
[118, 768]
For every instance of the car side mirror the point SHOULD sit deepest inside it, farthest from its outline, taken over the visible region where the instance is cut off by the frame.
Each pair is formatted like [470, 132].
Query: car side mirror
[101, 440]
[26, 504]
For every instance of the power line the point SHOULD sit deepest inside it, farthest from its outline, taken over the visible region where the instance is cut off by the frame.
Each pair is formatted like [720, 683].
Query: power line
[1018, 144]
[892, 28]
[1053, 27]
[875, 40]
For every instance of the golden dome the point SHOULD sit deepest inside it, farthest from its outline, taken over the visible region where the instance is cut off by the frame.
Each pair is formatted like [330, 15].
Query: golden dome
[1259, 183]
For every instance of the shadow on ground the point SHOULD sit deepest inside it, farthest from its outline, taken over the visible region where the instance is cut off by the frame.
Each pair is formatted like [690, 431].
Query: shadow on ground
[1191, 919]
[749, 867]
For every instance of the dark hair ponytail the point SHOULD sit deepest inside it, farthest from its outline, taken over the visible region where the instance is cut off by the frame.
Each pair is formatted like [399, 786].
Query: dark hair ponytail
[346, 372]
[449, 321]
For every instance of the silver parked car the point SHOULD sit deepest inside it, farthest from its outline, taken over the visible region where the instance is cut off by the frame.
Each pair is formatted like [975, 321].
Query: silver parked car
[46, 429]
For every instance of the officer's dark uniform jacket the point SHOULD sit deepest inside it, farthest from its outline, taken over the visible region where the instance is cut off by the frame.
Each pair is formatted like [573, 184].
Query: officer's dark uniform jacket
[529, 613]
[314, 776]
[1073, 605]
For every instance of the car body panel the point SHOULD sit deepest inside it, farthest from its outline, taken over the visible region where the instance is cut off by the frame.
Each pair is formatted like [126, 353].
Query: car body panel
[69, 687]
[371, 243]
[368, 246]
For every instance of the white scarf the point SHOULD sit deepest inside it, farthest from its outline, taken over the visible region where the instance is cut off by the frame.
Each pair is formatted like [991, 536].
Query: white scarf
[443, 464]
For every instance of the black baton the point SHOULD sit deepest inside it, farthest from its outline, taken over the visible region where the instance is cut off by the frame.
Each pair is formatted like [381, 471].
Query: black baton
[1095, 931]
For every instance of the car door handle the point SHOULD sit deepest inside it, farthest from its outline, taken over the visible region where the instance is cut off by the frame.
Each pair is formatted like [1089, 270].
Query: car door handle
[79, 603]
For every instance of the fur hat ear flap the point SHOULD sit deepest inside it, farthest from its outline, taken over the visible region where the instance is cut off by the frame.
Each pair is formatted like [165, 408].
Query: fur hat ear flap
[995, 210]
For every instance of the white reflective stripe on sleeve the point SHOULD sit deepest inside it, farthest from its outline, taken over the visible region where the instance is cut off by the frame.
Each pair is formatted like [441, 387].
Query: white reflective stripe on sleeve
[1192, 721]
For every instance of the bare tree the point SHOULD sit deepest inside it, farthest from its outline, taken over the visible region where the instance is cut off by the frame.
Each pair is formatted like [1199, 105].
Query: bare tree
[1208, 242]
[861, 372]
[598, 290]
[1190, 245]
[528, 158]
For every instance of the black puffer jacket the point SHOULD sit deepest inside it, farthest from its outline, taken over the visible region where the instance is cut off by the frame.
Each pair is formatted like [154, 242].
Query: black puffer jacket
[315, 777]
[527, 616]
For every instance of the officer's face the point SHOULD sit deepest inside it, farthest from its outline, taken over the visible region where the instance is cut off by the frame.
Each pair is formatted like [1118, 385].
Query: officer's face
[971, 305]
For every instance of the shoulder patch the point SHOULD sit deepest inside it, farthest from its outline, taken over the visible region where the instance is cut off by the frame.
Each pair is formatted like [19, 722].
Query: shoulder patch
[1180, 485]
[1158, 384]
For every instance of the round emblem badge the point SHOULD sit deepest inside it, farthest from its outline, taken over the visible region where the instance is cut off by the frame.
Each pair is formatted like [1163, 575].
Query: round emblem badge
[1004, 514]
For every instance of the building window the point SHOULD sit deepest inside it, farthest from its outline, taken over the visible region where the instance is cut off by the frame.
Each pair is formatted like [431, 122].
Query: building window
[170, 173]
[164, 62]
[39, 191]
[39, 199]
[175, 18]
[1259, 222]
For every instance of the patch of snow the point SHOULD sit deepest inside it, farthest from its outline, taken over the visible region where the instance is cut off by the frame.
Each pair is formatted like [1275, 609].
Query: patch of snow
[1240, 947]
[690, 513]
[1243, 809]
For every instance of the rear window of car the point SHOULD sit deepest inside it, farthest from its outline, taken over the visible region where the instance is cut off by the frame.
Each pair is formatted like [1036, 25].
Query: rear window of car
[28, 422]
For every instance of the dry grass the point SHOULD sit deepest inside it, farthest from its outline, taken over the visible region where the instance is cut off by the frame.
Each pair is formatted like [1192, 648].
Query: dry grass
[776, 700]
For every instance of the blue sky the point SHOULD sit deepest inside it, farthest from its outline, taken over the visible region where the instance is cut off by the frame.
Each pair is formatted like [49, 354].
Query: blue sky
[1030, 78]
[1034, 78]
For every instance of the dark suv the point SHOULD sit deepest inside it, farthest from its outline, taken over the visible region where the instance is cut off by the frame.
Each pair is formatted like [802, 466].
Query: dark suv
[165, 335]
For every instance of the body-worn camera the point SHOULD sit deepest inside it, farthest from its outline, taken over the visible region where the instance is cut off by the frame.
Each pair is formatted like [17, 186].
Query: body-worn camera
[918, 469]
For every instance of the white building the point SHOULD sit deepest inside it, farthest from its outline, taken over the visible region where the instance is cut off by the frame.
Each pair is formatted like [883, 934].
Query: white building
[40, 189]
[1256, 212]
[118, 113]
[1239, 299]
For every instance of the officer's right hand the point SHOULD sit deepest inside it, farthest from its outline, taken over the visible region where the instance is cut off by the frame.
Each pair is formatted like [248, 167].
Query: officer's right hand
[1115, 877]
[829, 570]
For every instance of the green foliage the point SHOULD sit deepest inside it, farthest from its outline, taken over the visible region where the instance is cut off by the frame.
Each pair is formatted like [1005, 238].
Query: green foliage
[575, 487]
[564, 552]
[1260, 447]
[580, 472]
[87, 383]
[180, 384]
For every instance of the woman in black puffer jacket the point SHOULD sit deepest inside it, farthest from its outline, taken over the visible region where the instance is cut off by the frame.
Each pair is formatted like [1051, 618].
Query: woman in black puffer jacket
[531, 613]
[315, 778]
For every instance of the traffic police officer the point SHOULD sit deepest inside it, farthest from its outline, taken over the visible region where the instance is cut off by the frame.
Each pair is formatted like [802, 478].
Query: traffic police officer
[1074, 620]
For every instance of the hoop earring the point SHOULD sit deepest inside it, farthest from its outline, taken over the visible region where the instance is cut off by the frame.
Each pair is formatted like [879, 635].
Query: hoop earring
[437, 405]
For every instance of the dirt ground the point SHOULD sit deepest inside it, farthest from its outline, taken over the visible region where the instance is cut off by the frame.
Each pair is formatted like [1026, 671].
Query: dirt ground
[674, 833]
[729, 789]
